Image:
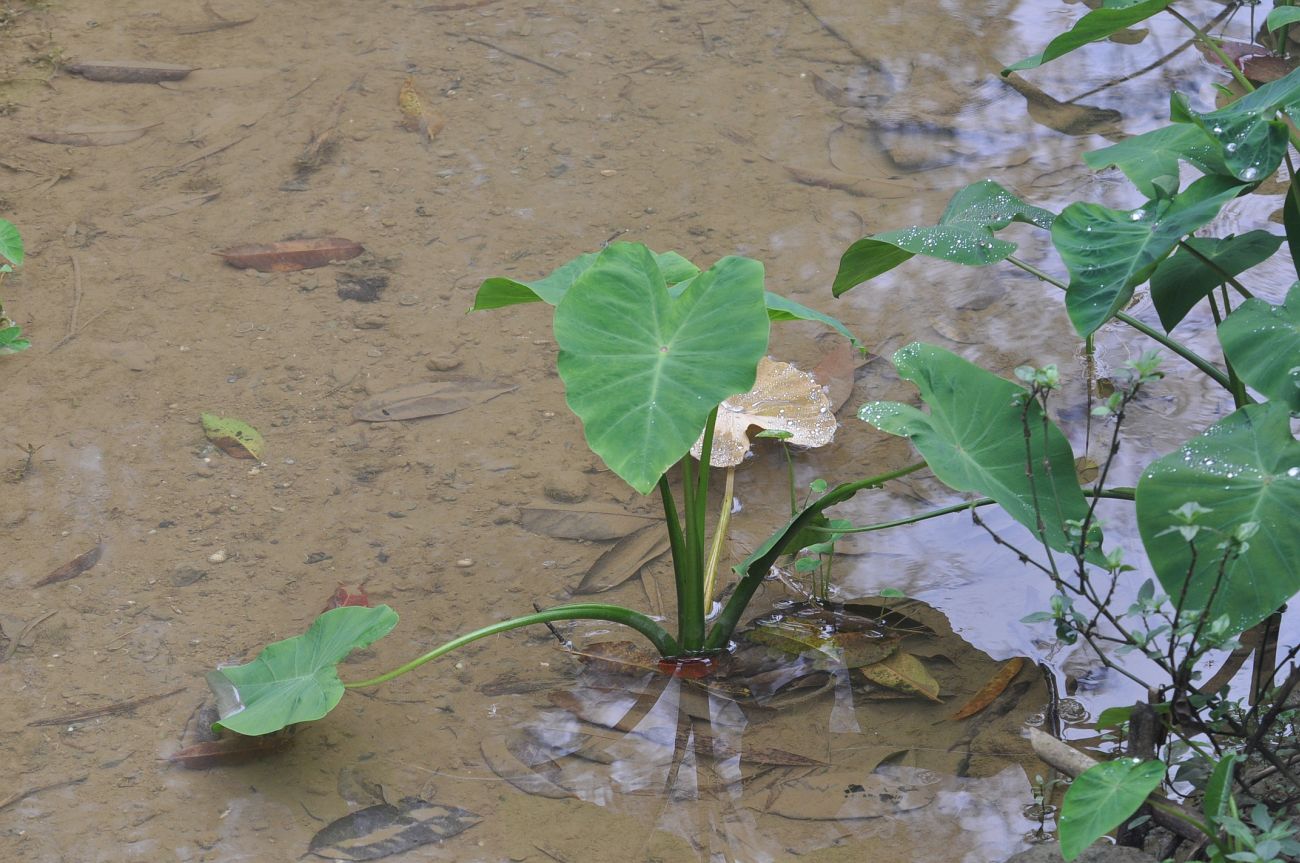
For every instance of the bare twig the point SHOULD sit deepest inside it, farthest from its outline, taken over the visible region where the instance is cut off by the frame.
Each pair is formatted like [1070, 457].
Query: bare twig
[486, 44]
[107, 710]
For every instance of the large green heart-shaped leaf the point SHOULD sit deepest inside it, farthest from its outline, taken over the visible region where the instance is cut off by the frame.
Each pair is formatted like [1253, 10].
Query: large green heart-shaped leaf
[296, 680]
[499, 291]
[964, 235]
[1153, 157]
[1253, 140]
[11, 244]
[1096, 25]
[973, 439]
[1184, 279]
[1262, 342]
[1244, 469]
[643, 369]
[1109, 252]
[1102, 797]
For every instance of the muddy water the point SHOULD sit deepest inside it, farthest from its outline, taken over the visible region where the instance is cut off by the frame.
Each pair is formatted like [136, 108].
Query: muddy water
[779, 130]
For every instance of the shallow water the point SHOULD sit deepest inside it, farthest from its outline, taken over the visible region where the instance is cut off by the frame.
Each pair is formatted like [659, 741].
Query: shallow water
[703, 127]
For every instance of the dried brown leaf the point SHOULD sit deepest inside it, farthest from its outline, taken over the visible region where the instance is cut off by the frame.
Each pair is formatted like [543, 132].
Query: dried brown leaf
[583, 521]
[904, 672]
[128, 71]
[624, 559]
[291, 255]
[426, 400]
[991, 690]
[75, 567]
[236, 749]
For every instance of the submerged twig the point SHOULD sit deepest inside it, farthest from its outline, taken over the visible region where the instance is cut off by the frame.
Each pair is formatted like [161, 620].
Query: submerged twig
[28, 792]
[107, 710]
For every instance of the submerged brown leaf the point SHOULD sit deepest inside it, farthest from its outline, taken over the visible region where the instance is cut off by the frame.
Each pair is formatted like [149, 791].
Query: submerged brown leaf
[426, 400]
[582, 521]
[91, 136]
[235, 749]
[75, 567]
[624, 559]
[991, 690]
[783, 399]
[385, 829]
[128, 71]
[904, 672]
[290, 255]
[835, 374]
[848, 649]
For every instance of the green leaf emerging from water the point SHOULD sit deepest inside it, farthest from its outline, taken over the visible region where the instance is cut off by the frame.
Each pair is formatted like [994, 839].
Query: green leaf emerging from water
[296, 680]
[1184, 279]
[1262, 342]
[1101, 798]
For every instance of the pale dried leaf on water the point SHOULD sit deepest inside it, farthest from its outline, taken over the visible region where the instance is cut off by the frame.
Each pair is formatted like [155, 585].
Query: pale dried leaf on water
[234, 437]
[434, 398]
[173, 205]
[290, 255]
[906, 673]
[991, 690]
[783, 399]
[231, 749]
[588, 521]
[624, 559]
[91, 136]
[844, 795]
[384, 829]
[75, 567]
[128, 71]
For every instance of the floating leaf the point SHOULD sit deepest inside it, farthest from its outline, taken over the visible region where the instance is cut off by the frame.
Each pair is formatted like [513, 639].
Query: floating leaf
[782, 399]
[973, 439]
[642, 369]
[289, 255]
[128, 71]
[384, 829]
[904, 672]
[426, 400]
[91, 136]
[582, 521]
[1244, 470]
[1262, 342]
[1092, 27]
[1184, 279]
[296, 680]
[75, 567]
[964, 235]
[991, 690]
[233, 749]
[234, 437]
[624, 559]
[1109, 252]
[1101, 798]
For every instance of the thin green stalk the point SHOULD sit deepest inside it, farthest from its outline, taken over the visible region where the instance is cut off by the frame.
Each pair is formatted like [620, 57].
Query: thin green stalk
[662, 641]
[1176, 347]
[1214, 47]
[760, 563]
[719, 539]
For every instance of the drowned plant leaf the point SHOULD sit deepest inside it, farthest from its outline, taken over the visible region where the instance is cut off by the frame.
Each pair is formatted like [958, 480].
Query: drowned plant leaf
[234, 437]
[296, 680]
[385, 829]
[829, 649]
[582, 521]
[904, 672]
[835, 374]
[232, 749]
[83, 562]
[783, 398]
[991, 690]
[91, 136]
[128, 71]
[625, 558]
[426, 400]
[290, 255]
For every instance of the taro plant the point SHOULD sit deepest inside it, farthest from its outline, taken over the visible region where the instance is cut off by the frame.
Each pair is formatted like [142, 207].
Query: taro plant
[650, 346]
[1217, 517]
[11, 256]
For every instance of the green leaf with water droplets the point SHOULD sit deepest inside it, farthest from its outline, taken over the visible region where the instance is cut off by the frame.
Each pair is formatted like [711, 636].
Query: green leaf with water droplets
[963, 235]
[499, 291]
[1102, 797]
[1262, 342]
[1251, 137]
[1243, 469]
[642, 368]
[973, 439]
[1110, 252]
[1153, 157]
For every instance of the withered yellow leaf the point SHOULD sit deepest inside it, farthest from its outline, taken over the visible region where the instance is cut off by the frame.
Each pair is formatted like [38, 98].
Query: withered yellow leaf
[904, 672]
